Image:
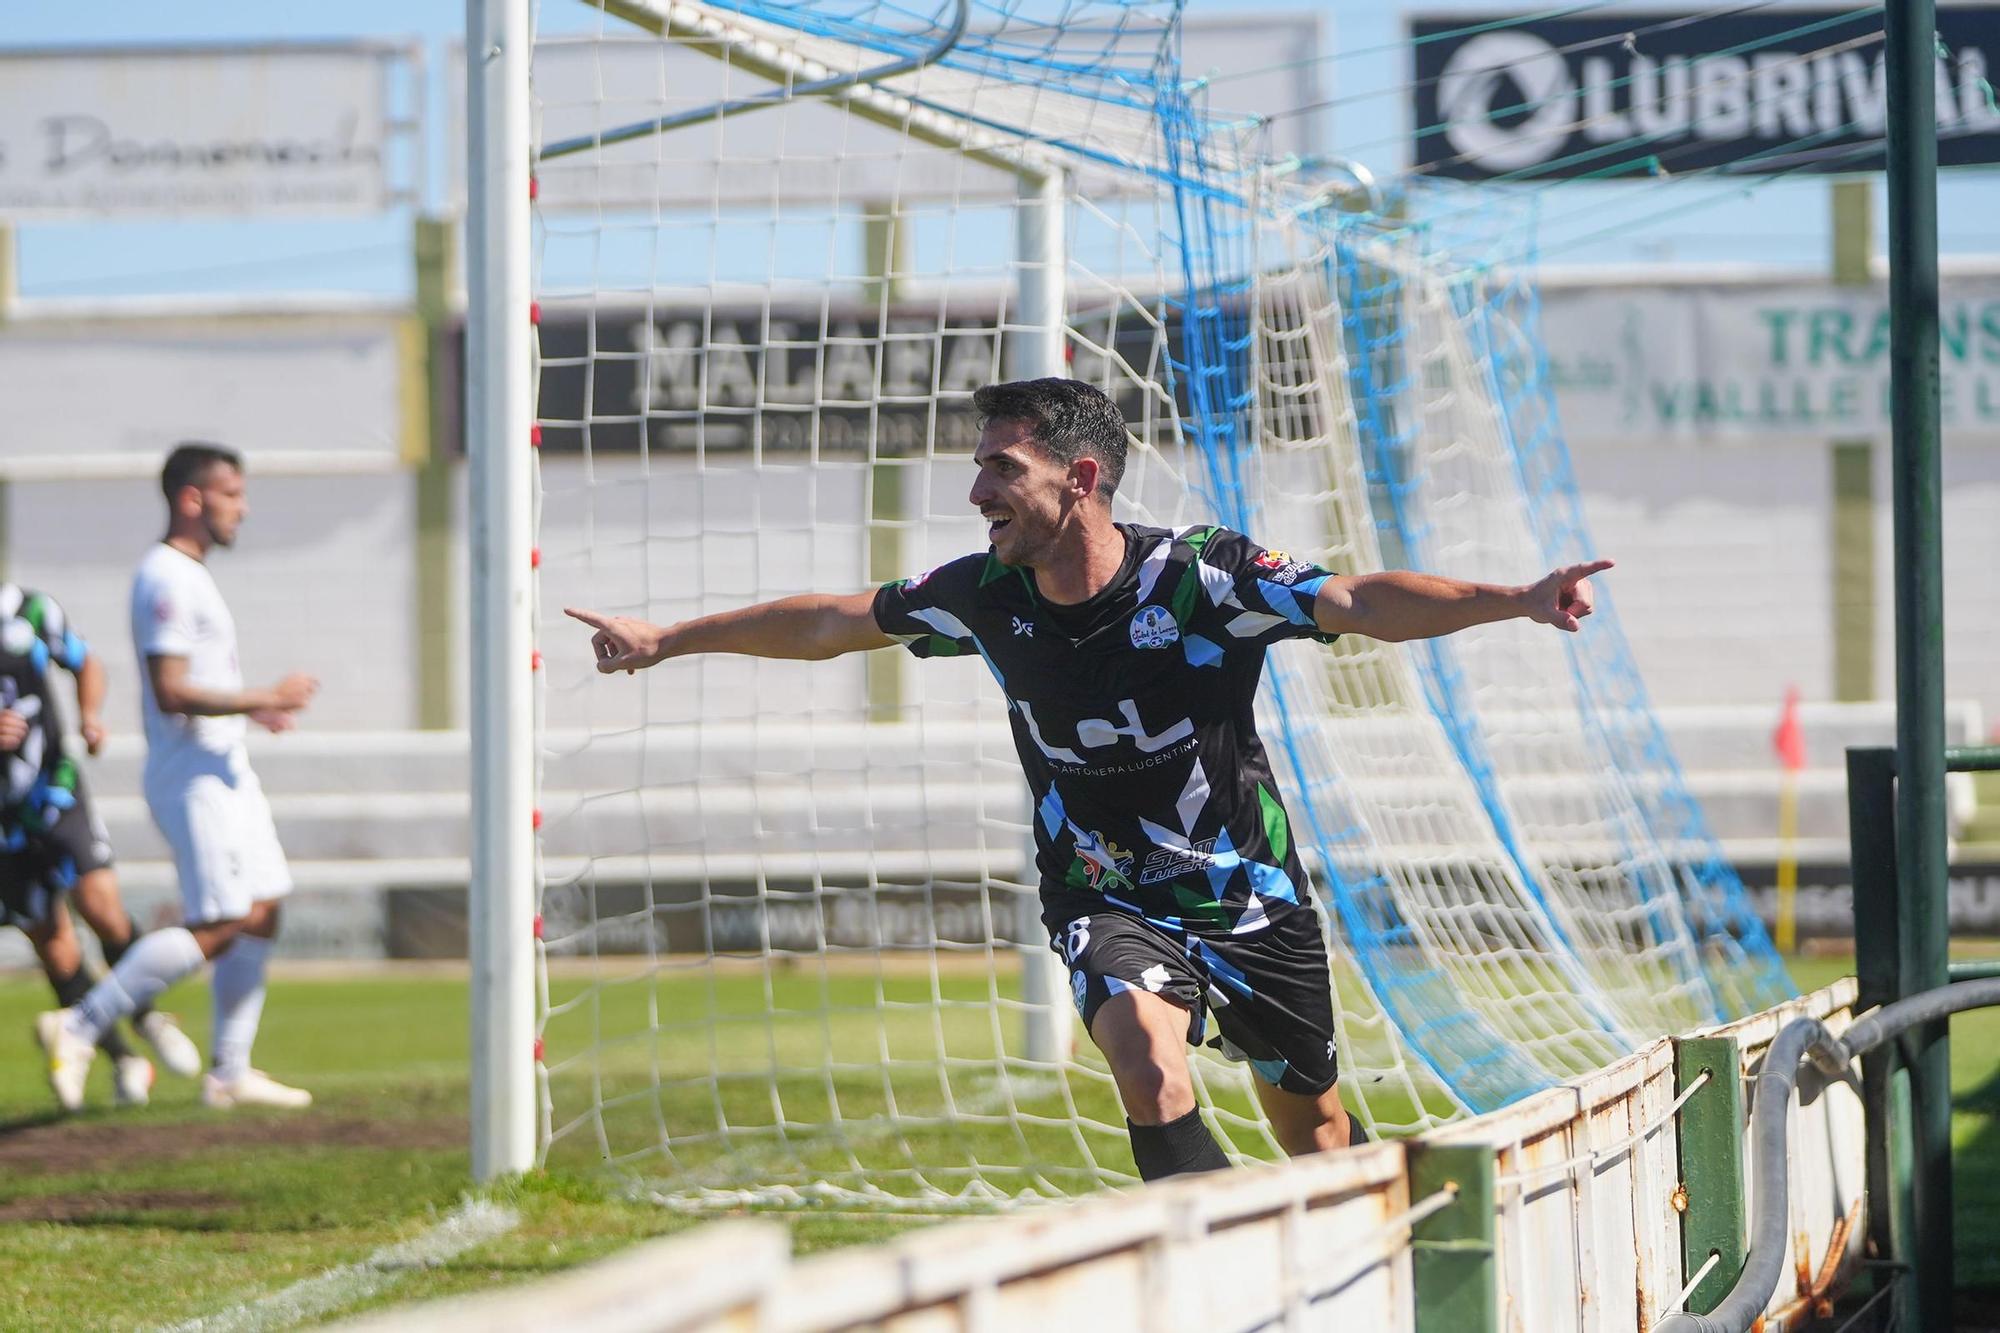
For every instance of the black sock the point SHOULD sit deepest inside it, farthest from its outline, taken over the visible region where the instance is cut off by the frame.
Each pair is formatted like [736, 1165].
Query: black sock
[1175, 1148]
[113, 952]
[71, 989]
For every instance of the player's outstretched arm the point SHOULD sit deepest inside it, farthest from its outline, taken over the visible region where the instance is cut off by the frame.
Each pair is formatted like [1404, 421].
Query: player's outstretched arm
[1400, 604]
[810, 627]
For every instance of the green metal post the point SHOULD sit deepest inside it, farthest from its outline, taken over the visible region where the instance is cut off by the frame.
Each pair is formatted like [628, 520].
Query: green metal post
[1454, 1268]
[1910, 64]
[1853, 210]
[1871, 832]
[432, 244]
[885, 259]
[1711, 1164]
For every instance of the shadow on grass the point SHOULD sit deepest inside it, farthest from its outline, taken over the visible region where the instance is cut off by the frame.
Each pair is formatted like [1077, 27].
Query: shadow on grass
[34, 1120]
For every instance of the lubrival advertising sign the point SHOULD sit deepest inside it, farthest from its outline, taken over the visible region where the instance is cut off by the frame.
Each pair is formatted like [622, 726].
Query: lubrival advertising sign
[1642, 95]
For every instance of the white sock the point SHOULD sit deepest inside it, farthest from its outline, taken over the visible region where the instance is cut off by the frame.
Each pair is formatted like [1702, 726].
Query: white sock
[238, 982]
[155, 962]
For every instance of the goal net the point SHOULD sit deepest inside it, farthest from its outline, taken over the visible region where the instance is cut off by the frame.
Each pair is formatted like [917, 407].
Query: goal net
[788, 923]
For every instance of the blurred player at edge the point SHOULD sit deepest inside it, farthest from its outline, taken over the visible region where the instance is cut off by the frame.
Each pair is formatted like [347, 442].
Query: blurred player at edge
[52, 844]
[201, 791]
[1170, 878]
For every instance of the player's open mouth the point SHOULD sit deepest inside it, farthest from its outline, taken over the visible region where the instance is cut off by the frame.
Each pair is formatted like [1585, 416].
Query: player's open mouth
[995, 522]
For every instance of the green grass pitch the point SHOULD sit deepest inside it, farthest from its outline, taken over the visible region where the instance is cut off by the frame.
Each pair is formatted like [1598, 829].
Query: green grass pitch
[121, 1219]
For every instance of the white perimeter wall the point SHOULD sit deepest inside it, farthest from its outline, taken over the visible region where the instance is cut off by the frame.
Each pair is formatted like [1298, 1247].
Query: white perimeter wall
[1725, 577]
[321, 579]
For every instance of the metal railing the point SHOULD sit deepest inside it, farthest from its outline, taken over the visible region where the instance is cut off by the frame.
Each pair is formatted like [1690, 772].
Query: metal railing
[1831, 1059]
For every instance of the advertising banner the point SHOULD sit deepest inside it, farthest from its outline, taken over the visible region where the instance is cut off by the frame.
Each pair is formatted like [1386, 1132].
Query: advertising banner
[228, 131]
[788, 378]
[1745, 363]
[1632, 95]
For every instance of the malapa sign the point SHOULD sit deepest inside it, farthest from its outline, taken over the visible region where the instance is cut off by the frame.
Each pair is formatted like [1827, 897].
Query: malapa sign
[1534, 97]
[789, 378]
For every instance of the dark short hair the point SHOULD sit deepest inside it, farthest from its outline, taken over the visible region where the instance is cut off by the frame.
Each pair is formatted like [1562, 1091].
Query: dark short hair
[189, 463]
[1067, 418]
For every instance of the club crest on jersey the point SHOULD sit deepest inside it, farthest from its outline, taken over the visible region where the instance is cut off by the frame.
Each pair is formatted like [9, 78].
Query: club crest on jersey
[1154, 627]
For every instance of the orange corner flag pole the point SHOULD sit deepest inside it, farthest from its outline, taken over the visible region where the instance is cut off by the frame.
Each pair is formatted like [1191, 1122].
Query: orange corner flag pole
[1790, 742]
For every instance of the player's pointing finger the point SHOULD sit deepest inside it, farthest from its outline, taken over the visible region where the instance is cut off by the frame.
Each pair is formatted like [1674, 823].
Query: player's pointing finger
[1586, 569]
[590, 618]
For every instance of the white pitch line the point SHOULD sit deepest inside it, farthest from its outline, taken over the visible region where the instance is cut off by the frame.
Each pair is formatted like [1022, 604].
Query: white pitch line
[471, 1223]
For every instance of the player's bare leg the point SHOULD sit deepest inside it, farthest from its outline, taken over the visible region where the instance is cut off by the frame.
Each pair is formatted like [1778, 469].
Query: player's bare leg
[98, 902]
[1305, 1124]
[1144, 1040]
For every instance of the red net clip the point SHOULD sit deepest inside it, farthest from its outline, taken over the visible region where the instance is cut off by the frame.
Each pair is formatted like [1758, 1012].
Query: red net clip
[535, 436]
[538, 925]
[534, 188]
[535, 558]
[538, 821]
[538, 1050]
[535, 660]
[535, 312]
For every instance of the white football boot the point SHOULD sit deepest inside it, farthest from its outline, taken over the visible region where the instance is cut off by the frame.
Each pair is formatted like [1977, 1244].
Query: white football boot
[133, 1080]
[253, 1087]
[174, 1047]
[69, 1057]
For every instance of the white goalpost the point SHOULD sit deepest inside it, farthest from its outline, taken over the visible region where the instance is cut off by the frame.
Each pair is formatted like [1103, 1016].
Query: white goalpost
[499, 417]
[767, 932]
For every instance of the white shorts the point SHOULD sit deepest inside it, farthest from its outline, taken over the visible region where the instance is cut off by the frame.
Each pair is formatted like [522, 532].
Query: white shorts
[225, 845]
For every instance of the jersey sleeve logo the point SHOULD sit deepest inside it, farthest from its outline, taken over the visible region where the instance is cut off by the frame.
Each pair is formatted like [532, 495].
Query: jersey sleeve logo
[1280, 568]
[1154, 627]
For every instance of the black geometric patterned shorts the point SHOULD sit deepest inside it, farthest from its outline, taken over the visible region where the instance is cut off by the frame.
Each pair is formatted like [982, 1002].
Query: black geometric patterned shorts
[48, 863]
[1271, 992]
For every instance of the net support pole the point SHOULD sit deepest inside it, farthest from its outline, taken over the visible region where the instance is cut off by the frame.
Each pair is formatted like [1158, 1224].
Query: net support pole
[1910, 52]
[1853, 463]
[498, 417]
[1033, 349]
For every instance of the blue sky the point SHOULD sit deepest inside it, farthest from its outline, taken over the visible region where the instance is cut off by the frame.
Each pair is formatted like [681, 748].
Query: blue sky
[1783, 223]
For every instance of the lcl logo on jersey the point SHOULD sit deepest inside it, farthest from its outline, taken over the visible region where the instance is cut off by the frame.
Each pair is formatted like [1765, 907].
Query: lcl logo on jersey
[1154, 627]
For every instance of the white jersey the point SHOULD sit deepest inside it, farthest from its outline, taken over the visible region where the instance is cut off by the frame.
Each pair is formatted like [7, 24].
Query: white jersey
[177, 611]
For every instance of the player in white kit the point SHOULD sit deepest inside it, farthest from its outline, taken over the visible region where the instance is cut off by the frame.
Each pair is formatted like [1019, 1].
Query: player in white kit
[201, 791]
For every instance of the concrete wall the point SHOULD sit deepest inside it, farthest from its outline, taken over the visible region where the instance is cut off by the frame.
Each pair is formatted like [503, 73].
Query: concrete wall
[1725, 579]
[320, 580]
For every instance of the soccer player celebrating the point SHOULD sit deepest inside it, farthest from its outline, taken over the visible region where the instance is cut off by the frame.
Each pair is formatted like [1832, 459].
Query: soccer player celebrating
[52, 843]
[1170, 876]
[201, 791]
